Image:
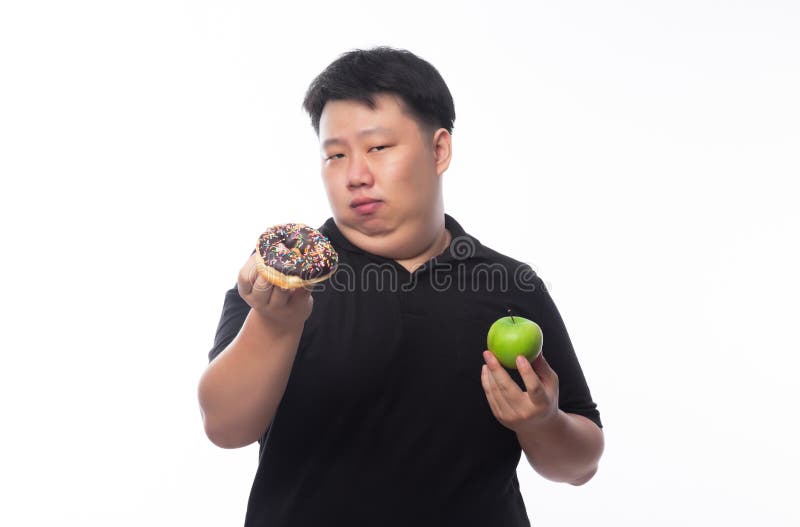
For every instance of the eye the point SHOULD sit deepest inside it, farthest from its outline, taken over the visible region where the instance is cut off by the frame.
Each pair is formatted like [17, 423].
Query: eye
[379, 148]
[334, 156]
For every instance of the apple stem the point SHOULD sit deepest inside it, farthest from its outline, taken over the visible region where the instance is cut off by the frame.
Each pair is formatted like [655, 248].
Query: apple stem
[509, 314]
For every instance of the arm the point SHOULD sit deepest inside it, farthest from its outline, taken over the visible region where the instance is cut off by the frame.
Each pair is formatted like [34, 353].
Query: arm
[240, 390]
[559, 446]
[567, 448]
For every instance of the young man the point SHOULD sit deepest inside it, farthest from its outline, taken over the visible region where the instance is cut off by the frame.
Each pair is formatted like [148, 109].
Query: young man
[373, 398]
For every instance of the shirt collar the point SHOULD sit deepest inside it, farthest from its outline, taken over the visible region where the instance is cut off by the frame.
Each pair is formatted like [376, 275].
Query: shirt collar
[462, 245]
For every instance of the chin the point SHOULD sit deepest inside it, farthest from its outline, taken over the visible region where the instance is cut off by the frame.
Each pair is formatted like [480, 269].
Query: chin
[367, 225]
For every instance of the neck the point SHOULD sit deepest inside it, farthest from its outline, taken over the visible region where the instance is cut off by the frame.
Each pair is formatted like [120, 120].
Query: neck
[437, 247]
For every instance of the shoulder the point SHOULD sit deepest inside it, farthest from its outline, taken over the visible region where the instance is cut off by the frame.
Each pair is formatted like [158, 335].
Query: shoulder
[481, 260]
[486, 257]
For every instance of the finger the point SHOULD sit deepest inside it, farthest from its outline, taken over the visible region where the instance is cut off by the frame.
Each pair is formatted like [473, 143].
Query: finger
[502, 379]
[544, 371]
[252, 271]
[244, 281]
[532, 381]
[264, 289]
[503, 395]
[243, 286]
[488, 388]
[280, 296]
[300, 294]
[260, 283]
[260, 286]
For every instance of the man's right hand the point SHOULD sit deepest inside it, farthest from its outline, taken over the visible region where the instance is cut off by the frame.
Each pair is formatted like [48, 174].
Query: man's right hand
[285, 309]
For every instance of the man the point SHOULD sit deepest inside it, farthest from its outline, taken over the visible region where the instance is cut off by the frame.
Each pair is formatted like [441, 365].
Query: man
[372, 397]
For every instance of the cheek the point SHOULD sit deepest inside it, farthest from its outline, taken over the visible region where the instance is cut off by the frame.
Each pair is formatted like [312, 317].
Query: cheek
[415, 185]
[411, 171]
[422, 175]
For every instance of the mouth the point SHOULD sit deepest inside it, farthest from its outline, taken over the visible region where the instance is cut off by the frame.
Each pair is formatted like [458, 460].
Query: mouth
[365, 206]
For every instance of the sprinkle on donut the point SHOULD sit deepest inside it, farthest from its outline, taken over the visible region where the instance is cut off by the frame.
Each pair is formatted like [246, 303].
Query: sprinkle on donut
[297, 250]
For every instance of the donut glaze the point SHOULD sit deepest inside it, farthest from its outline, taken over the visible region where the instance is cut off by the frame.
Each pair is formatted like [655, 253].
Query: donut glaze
[294, 254]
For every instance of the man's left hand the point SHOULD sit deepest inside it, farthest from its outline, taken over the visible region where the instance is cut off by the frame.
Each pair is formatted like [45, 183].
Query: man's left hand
[515, 409]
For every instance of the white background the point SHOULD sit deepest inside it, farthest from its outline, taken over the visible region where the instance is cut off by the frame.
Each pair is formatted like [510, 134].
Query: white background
[641, 156]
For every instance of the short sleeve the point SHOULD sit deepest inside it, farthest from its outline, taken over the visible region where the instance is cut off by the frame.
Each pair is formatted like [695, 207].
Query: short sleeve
[234, 312]
[574, 395]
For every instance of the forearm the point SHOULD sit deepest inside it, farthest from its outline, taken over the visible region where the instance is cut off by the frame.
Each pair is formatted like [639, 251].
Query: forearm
[566, 449]
[240, 390]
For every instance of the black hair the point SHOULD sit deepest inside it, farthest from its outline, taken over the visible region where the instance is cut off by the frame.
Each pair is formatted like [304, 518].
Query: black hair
[361, 74]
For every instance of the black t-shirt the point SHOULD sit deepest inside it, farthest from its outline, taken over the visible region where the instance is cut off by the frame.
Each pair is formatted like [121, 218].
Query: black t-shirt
[384, 420]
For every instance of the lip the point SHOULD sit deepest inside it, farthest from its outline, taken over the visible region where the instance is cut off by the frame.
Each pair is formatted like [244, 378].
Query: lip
[364, 206]
[361, 201]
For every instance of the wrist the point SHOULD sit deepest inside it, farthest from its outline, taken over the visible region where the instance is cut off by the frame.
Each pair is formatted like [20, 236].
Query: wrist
[278, 328]
[542, 429]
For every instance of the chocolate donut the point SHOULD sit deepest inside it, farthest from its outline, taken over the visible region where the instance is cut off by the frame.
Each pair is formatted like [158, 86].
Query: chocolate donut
[294, 255]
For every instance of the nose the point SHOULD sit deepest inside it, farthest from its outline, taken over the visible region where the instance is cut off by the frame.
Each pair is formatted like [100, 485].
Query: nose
[359, 173]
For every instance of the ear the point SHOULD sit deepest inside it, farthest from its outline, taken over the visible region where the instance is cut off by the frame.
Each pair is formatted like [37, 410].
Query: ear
[442, 149]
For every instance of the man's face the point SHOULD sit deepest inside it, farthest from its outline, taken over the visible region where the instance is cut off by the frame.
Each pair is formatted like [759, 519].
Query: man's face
[380, 170]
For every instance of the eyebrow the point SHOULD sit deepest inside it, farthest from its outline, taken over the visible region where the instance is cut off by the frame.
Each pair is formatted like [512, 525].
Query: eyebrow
[365, 131]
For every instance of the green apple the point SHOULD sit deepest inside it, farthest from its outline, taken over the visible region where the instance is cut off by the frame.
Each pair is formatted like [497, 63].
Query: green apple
[511, 336]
